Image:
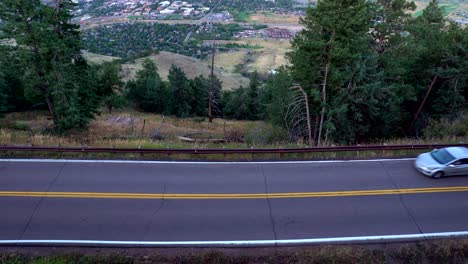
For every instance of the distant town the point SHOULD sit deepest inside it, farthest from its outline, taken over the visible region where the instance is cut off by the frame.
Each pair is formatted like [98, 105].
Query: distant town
[148, 8]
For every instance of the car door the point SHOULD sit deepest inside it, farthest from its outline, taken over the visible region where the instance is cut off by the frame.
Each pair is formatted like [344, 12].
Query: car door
[463, 167]
[459, 167]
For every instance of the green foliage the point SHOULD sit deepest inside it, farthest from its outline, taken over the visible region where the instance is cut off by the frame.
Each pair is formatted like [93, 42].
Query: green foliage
[377, 83]
[265, 135]
[132, 40]
[114, 101]
[18, 125]
[446, 127]
[437, 67]
[109, 85]
[148, 92]
[277, 97]
[240, 16]
[49, 48]
[244, 103]
[201, 90]
[180, 92]
[4, 106]
[235, 104]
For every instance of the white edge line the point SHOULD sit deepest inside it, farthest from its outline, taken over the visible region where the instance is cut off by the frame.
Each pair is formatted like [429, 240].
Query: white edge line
[239, 242]
[196, 162]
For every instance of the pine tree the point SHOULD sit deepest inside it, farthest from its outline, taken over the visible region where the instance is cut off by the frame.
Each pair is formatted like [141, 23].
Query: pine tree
[389, 18]
[4, 106]
[201, 88]
[148, 91]
[439, 69]
[181, 93]
[334, 37]
[236, 104]
[277, 97]
[109, 84]
[50, 47]
[253, 98]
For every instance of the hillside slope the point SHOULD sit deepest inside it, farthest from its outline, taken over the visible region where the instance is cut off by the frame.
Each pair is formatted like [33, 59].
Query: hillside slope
[192, 67]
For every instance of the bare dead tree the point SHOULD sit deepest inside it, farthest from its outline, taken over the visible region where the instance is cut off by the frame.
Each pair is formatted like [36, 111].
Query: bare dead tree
[324, 102]
[157, 134]
[210, 102]
[429, 89]
[298, 114]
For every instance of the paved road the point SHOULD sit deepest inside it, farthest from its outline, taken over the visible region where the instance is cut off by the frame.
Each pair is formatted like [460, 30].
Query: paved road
[212, 202]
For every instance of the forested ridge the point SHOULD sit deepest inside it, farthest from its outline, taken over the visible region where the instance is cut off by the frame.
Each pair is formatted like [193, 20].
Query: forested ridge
[360, 70]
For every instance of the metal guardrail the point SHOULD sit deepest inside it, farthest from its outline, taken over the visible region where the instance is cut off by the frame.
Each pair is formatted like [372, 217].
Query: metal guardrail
[227, 151]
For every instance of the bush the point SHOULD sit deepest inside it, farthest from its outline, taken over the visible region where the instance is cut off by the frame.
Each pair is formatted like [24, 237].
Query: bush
[21, 126]
[447, 127]
[265, 134]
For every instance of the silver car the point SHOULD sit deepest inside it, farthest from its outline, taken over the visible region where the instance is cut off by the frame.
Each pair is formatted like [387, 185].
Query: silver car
[443, 162]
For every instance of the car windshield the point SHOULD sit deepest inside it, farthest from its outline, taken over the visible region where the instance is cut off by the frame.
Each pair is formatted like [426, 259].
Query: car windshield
[442, 156]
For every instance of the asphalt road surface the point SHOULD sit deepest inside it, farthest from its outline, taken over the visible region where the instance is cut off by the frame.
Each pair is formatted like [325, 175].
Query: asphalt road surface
[69, 200]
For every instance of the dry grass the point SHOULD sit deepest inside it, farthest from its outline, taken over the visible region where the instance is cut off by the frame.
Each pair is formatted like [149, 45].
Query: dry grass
[228, 60]
[130, 129]
[97, 58]
[192, 67]
[270, 56]
[119, 129]
[438, 251]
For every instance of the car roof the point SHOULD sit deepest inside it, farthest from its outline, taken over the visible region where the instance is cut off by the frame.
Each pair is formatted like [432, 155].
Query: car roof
[458, 152]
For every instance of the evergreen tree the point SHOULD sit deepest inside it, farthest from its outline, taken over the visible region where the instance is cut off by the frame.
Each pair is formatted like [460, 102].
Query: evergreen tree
[201, 88]
[236, 104]
[109, 84]
[4, 106]
[439, 68]
[148, 91]
[49, 46]
[389, 20]
[277, 97]
[181, 93]
[335, 37]
[254, 109]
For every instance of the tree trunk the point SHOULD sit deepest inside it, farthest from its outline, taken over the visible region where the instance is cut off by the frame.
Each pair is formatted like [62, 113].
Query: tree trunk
[210, 103]
[44, 87]
[324, 101]
[317, 120]
[421, 106]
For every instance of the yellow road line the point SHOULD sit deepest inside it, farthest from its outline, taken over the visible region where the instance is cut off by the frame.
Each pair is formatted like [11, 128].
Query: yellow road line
[187, 196]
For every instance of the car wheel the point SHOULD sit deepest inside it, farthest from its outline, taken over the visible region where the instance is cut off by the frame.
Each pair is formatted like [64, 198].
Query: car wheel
[437, 175]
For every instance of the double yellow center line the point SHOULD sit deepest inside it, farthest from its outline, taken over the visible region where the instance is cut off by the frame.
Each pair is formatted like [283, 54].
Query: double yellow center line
[186, 196]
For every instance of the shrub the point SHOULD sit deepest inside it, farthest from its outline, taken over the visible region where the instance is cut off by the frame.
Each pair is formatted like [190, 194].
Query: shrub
[447, 127]
[265, 134]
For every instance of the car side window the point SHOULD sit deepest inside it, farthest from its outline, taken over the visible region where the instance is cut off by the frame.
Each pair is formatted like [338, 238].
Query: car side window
[460, 162]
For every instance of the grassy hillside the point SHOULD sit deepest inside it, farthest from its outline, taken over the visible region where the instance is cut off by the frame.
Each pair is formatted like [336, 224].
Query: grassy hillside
[192, 67]
[97, 58]
[271, 55]
[451, 6]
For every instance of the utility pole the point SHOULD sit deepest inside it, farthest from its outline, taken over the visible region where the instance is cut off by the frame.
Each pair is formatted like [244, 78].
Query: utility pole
[210, 103]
